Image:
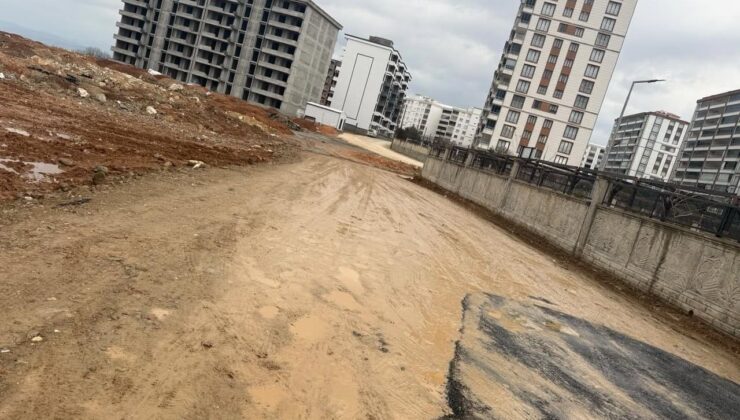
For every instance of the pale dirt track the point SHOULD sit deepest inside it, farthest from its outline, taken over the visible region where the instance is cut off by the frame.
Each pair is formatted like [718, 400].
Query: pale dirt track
[318, 289]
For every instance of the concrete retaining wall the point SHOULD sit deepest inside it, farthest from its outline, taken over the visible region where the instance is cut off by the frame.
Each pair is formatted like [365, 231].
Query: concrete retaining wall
[412, 150]
[692, 270]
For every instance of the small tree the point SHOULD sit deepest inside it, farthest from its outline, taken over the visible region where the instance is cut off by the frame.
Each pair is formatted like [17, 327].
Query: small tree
[413, 133]
[94, 52]
[402, 134]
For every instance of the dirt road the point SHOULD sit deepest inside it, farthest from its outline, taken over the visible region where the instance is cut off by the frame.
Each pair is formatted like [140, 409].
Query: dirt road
[316, 289]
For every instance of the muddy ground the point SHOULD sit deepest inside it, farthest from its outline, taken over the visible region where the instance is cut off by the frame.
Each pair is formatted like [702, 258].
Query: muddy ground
[321, 288]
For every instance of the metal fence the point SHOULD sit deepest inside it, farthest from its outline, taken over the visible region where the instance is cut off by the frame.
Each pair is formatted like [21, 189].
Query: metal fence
[669, 203]
[710, 212]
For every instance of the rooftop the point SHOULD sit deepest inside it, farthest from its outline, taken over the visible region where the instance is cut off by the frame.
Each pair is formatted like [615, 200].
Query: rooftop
[721, 95]
[663, 114]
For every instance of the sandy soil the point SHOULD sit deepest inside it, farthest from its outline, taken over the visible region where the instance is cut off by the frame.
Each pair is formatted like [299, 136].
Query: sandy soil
[378, 146]
[316, 289]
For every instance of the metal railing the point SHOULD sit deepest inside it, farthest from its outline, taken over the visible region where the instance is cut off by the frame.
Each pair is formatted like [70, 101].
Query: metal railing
[716, 213]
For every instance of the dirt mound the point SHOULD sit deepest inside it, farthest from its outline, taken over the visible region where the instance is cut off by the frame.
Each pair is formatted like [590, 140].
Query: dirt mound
[316, 127]
[65, 114]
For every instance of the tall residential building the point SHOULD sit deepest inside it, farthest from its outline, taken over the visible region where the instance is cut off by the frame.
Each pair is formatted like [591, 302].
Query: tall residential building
[422, 113]
[438, 121]
[271, 52]
[710, 157]
[372, 85]
[593, 157]
[554, 73]
[646, 145]
[331, 82]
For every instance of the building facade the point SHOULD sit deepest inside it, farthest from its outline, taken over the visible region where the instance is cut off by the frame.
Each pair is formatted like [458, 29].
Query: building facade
[422, 113]
[710, 157]
[274, 53]
[438, 121]
[372, 85]
[646, 145]
[593, 157]
[553, 75]
[331, 82]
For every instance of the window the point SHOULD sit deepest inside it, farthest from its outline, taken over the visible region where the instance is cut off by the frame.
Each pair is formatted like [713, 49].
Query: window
[538, 40]
[542, 139]
[576, 117]
[526, 134]
[597, 55]
[584, 16]
[533, 56]
[587, 87]
[528, 71]
[579, 32]
[602, 40]
[568, 12]
[573, 47]
[542, 89]
[547, 124]
[552, 59]
[563, 78]
[543, 25]
[547, 74]
[608, 24]
[507, 131]
[581, 102]
[552, 109]
[592, 71]
[613, 8]
[502, 146]
[532, 120]
[558, 94]
[570, 133]
[512, 117]
[568, 63]
[548, 9]
[517, 102]
[557, 44]
[561, 160]
[522, 86]
[565, 147]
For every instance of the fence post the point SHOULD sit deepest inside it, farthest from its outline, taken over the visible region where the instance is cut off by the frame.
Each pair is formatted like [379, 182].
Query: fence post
[509, 180]
[601, 186]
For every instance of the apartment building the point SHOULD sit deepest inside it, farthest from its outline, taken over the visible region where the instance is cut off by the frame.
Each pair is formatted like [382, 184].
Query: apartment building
[331, 82]
[553, 75]
[593, 157]
[710, 157]
[438, 121]
[646, 145]
[372, 85]
[274, 53]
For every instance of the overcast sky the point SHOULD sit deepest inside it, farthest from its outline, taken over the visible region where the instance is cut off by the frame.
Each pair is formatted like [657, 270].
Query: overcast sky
[453, 46]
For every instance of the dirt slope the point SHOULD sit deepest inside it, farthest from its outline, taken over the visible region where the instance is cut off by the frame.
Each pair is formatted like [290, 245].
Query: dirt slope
[317, 289]
[63, 115]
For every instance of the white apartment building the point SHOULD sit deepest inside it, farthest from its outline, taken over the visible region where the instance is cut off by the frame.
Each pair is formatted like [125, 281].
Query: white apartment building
[372, 85]
[646, 145]
[593, 157]
[438, 121]
[422, 113]
[553, 75]
[710, 158]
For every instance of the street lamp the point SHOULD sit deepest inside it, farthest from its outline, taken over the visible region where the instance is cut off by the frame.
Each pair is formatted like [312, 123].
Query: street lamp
[610, 144]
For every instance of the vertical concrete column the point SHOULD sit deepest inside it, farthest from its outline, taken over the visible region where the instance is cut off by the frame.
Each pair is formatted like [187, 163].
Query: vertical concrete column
[507, 188]
[469, 159]
[446, 156]
[597, 197]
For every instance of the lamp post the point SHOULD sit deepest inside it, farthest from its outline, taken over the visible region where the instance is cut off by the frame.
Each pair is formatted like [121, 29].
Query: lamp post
[610, 144]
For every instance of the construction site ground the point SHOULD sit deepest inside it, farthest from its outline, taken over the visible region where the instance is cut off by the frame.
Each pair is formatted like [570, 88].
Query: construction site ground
[292, 276]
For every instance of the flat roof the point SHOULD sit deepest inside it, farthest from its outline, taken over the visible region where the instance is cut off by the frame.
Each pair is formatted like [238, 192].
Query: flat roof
[720, 95]
[663, 114]
[323, 13]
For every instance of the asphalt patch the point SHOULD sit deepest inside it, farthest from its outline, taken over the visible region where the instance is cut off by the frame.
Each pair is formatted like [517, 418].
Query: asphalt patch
[521, 360]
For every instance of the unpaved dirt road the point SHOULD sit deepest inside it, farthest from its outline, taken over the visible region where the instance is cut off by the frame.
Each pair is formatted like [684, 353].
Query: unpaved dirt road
[316, 289]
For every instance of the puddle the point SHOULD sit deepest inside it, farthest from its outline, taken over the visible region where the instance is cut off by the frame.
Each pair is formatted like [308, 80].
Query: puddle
[38, 172]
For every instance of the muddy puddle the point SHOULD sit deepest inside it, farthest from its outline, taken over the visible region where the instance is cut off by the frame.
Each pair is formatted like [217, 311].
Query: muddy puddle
[33, 171]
